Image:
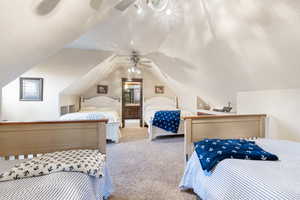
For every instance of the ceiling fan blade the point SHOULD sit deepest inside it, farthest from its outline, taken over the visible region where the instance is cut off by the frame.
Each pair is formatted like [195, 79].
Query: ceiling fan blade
[46, 6]
[122, 63]
[145, 66]
[146, 61]
[112, 58]
[124, 4]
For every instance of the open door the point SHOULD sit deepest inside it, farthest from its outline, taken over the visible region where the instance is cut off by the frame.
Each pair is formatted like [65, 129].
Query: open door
[132, 100]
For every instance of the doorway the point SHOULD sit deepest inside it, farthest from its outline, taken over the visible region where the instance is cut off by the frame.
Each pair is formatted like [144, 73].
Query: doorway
[132, 100]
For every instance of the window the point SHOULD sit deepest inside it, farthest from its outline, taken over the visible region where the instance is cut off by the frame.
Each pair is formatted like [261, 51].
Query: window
[31, 89]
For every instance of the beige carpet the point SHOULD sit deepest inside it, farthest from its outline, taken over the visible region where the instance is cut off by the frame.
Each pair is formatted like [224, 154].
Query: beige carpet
[143, 170]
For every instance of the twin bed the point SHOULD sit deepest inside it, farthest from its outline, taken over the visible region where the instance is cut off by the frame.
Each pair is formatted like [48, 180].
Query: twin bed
[155, 104]
[236, 179]
[231, 178]
[27, 139]
[100, 107]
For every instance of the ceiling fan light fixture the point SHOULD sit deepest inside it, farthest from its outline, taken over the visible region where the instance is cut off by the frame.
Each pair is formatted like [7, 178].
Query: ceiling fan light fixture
[158, 5]
[168, 11]
[139, 11]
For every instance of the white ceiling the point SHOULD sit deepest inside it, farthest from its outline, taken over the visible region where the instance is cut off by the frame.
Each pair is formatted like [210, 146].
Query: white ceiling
[125, 31]
[210, 48]
[27, 38]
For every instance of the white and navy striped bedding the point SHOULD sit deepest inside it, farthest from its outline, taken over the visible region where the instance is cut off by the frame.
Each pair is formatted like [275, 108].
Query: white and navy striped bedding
[57, 186]
[234, 179]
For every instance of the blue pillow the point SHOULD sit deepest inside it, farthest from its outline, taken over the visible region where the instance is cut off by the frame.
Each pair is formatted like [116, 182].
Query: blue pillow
[212, 151]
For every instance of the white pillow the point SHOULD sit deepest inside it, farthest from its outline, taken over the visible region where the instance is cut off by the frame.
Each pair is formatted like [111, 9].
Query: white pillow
[163, 107]
[103, 109]
[88, 108]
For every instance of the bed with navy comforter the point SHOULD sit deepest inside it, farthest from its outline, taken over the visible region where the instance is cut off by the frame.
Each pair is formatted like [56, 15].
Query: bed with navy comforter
[235, 179]
[167, 120]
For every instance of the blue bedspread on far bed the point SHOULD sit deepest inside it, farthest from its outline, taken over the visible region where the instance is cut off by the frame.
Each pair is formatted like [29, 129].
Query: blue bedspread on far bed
[212, 151]
[167, 120]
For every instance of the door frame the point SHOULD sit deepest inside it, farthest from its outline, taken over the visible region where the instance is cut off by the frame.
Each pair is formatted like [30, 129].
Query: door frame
[141, 99]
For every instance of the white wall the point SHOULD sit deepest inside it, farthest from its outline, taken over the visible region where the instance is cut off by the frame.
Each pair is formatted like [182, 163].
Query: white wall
[67, 100]
[281, 106]
[114, 83]
[0, 104]
[58, 72]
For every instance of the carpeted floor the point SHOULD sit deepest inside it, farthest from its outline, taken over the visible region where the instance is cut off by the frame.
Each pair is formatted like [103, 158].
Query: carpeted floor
[143, 170]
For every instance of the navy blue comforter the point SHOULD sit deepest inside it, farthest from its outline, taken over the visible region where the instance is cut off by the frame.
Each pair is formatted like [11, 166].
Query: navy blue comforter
[168, 120]
[212, 151]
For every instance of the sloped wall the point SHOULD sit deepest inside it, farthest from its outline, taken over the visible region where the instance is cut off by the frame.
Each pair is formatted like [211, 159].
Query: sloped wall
[232, 46]
[58, 72]
[281, 106]
[27, 39]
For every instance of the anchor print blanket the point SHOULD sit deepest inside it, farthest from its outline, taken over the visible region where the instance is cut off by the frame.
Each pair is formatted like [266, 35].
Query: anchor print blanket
[212, 151]
[167, 120]
[90, 162]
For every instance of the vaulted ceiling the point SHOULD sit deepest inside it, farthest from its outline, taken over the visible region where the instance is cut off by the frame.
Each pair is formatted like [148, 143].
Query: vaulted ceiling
[211, 49]
[31, 31]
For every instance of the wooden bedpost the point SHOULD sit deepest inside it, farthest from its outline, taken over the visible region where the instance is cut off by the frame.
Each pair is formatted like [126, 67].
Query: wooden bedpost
[187, 139]
[101, 132]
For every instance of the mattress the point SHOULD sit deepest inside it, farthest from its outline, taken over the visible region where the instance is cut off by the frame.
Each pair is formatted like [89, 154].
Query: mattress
[56, 186]
[112, 116]
[112, 129]
[246, 179]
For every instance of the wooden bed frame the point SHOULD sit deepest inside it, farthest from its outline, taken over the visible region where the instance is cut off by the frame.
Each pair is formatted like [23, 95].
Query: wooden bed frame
[32, 138]
[221, 126]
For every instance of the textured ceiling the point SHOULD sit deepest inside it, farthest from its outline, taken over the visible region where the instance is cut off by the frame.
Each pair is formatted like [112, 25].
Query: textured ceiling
[212, 48]
[27, 38]
[207, 48]
[123, 32]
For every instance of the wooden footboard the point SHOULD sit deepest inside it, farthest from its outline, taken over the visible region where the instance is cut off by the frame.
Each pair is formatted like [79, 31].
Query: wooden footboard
[32, 138]
[221, 126]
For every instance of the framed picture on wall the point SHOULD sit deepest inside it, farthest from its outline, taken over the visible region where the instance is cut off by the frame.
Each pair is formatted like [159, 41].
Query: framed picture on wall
[102, 89]
[31, 89]
[159, 89]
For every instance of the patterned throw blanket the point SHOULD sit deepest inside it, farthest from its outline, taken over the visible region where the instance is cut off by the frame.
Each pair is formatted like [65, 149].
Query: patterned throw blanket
[90, 162]
[168, 120]
[212, 151]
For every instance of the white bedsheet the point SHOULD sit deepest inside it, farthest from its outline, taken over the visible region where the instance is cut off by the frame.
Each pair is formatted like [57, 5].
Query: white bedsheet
[112, 129]
[56, 186]
[112, 116]
[234, 179]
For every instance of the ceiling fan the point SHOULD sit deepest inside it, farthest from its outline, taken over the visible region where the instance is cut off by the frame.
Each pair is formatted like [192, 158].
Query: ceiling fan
[157, 5]
[134, 60]
[45, 7]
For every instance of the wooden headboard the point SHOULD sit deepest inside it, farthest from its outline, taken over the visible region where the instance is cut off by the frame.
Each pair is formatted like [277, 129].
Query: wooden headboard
[32, 138]
[102, 102]
[221, 126]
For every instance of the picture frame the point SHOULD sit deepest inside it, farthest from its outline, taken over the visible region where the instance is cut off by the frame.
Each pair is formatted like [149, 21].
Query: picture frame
[159, 89]
[102, 89]
[31, 89]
